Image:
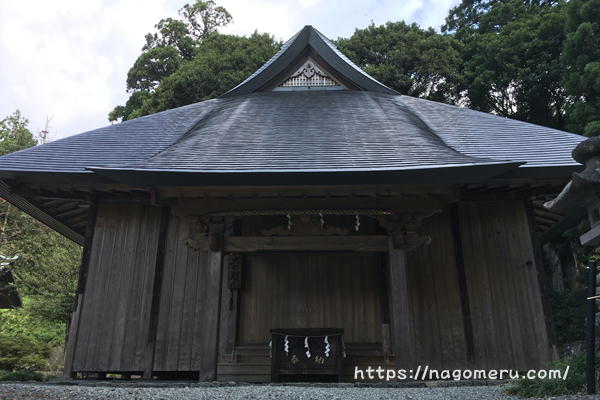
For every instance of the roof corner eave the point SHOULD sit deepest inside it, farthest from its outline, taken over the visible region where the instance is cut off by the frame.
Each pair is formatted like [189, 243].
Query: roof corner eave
[26, 206]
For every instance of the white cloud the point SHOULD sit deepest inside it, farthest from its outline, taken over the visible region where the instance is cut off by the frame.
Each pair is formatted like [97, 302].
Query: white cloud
[68, 59]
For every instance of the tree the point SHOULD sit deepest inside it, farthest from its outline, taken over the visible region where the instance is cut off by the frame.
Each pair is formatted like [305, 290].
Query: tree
[511, 52]
[14, 134]
[581, 57]
[220, 62]
[204, 17]
[176, 41]
[45, 271]
[414, 61]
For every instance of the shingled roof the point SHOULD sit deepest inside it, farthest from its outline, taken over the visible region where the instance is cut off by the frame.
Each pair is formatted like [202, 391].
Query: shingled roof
[368, 127]
[271, 130]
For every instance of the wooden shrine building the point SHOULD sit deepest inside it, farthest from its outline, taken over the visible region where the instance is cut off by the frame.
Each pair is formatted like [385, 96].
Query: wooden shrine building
[308, 196]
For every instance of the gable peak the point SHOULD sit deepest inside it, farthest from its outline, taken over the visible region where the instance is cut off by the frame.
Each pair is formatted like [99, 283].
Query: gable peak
[309, 44]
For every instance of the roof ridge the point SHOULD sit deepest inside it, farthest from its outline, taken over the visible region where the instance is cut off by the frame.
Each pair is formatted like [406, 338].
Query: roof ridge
[308, 37]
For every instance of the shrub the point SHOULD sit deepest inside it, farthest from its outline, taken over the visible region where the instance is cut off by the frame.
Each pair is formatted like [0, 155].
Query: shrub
[568, 311]
[21, 376]
[574, 382]
[22, 354]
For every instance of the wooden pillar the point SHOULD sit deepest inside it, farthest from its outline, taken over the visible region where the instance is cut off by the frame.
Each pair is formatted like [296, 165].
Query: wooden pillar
[402, 333]
[81, 282]
[156, 292]
[229, 304]
[462, 282]
[210, 358]
[543, 278]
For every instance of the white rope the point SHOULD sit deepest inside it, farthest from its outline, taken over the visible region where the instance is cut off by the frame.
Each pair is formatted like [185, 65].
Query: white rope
[307, 348]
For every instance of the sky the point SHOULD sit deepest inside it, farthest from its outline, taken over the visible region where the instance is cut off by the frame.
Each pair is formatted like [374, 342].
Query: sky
[66, 61]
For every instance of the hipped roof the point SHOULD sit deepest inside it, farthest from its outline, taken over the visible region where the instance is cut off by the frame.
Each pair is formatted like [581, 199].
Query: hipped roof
[364, 132]
[368, 129]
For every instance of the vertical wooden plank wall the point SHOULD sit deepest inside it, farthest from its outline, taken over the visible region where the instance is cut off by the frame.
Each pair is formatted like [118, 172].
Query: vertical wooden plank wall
[310, 290]
[506, 306]
[116, 303]
[435, 298]
[186, 337]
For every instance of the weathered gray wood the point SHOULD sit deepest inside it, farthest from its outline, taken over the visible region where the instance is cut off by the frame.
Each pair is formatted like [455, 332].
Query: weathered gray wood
[543, 277]
[81, 282]
[508, 316]
[402, 334]
[228, 315]
[311, 290]
[115, 299]
[401, 203]
[150, 340]
[435, 297]
[210, 356]
[186, 335]
[305, 243]
[71, 343]
[465, 302]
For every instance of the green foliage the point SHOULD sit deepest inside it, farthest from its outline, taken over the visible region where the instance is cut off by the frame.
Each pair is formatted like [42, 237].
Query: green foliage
[14, 134]
[414, 61]
[46, 271]
[22, 354]
[574, 383]
[511, 53]
[153, 66]
[165, 52]
[27, 323]
[172, 33]
[581, 57]
[220, 62]
[45, 274]
[568, 312]
[21, 376]
[204, 17]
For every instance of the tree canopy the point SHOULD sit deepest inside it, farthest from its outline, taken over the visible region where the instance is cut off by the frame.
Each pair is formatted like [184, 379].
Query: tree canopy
[511, 58]
[187, 61]
[581, 58]
[14, 134]
[414, 61]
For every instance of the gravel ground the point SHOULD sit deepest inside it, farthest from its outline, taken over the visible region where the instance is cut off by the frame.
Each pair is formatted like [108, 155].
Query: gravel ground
[27, 391]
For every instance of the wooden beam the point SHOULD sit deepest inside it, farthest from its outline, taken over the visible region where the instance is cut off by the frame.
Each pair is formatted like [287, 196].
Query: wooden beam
[70, 213]
[244, 244]
[299, 191]
[156, 292]
[403, 337]
[402, 204]
[543, 278]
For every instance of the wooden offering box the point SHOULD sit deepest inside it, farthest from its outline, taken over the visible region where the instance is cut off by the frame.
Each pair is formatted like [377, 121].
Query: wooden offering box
[291, 362]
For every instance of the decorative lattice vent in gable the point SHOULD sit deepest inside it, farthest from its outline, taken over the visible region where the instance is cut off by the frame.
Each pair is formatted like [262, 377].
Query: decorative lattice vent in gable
[309, 74]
